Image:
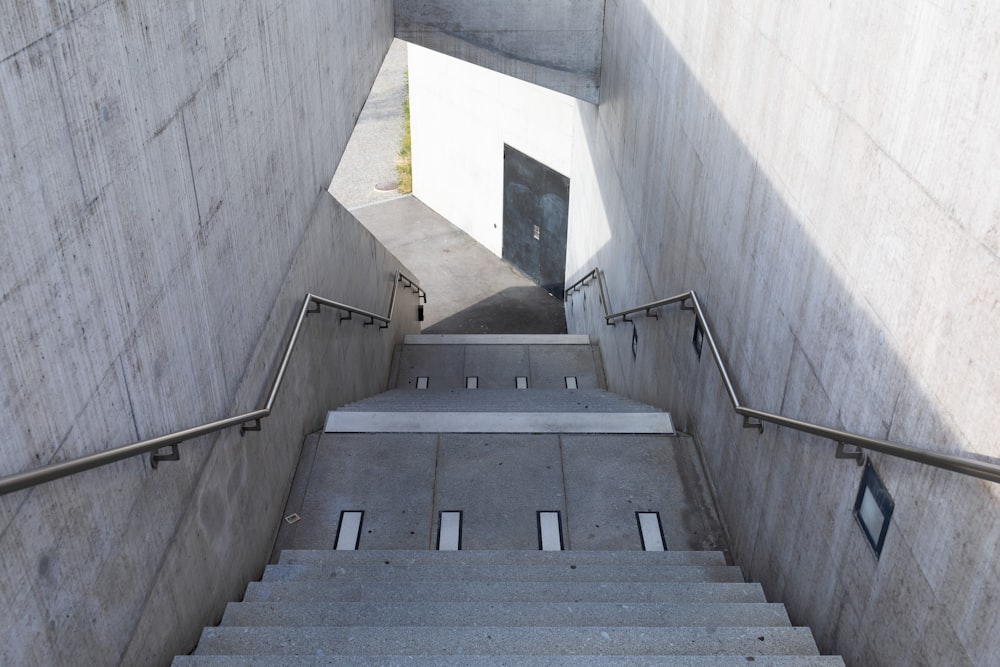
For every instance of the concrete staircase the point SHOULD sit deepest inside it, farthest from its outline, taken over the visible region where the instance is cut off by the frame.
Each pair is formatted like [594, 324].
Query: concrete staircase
[498, 384]
[598, 459]
[504, 608]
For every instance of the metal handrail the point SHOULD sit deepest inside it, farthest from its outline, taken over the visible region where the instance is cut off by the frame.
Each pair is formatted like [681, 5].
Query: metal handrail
[248, 421]
[753, 418]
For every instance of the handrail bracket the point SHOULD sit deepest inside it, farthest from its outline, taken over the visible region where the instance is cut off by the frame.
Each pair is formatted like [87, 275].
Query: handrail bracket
[858, 454]
[413, 287]
[313, 308]
[250, 426]
[753, 422]
[156, 457]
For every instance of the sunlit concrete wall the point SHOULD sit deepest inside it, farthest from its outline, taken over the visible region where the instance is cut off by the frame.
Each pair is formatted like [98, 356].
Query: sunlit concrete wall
[461, 115]
[163, 210]
[555, 44]
[824, 176]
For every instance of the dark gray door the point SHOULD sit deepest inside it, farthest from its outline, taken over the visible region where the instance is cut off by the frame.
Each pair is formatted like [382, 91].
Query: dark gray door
[535, 219]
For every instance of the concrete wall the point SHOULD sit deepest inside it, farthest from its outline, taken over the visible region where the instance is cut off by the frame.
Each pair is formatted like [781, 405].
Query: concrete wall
[461, 115]
[824, 175]
[555, 44]
[162, 177]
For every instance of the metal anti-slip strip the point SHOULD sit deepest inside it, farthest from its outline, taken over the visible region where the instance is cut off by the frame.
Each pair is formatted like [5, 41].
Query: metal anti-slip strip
[349, 530]
[450, 531]
[549, 531]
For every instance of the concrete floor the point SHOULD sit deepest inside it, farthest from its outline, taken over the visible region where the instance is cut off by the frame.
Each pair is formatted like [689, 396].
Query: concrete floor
[499, 482]
[470, 290]
[370, 157]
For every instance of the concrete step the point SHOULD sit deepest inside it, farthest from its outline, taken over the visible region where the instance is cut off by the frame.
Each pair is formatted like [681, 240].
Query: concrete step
[504, 614]
[508, 661]
[650, 423]
[519, 557]
[569, 572]
[499, 411]
[496, 339]
[495, 361]
[499, 400]
[503, 591]
[519, 641]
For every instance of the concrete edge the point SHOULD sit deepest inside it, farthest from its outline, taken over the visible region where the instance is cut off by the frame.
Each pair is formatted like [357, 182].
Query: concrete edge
[643, 423]
[496, 339]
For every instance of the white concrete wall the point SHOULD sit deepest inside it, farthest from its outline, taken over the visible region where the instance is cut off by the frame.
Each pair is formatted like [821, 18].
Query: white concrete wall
[824, 175]
[461, 115]
[162, 203]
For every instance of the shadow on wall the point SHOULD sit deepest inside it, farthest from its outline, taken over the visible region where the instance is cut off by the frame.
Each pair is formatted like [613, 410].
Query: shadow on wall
[514, 310]
[689, 206]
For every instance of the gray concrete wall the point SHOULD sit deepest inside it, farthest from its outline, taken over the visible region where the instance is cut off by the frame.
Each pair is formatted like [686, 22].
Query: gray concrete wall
[824, 176]
[162, 197]
[555, 44]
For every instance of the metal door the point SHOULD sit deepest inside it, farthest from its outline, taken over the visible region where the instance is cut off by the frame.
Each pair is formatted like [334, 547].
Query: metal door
[535, 219]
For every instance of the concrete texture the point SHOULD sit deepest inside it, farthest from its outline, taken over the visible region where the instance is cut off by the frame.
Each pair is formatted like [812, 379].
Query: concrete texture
[554, 44]
[499, 400]
[300, 556]
[399, 421]
[446, 365]
[470, 290]
[376, 571]
[824, 176]
[461, 117]
[496, 339]
[385, 477]
[517, 641]
[499, 481]
[514, 591]
[161, 171]
[370, 157]
[607, 482]
[471, 614]
[507, 660]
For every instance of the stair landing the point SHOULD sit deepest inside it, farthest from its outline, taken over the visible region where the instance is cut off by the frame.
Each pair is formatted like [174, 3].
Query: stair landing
[499, 455]
[499, 482]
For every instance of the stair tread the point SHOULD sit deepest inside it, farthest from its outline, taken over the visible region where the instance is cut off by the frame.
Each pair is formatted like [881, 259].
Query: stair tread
[499, 400]
[505, 614]
[496, 339]
[508, 660]
[508, 557]
[498, 422]
[487, 640]
[513, 591]
[493, 572]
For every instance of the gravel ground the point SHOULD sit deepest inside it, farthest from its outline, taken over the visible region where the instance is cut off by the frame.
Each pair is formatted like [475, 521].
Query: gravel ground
[370, 158]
